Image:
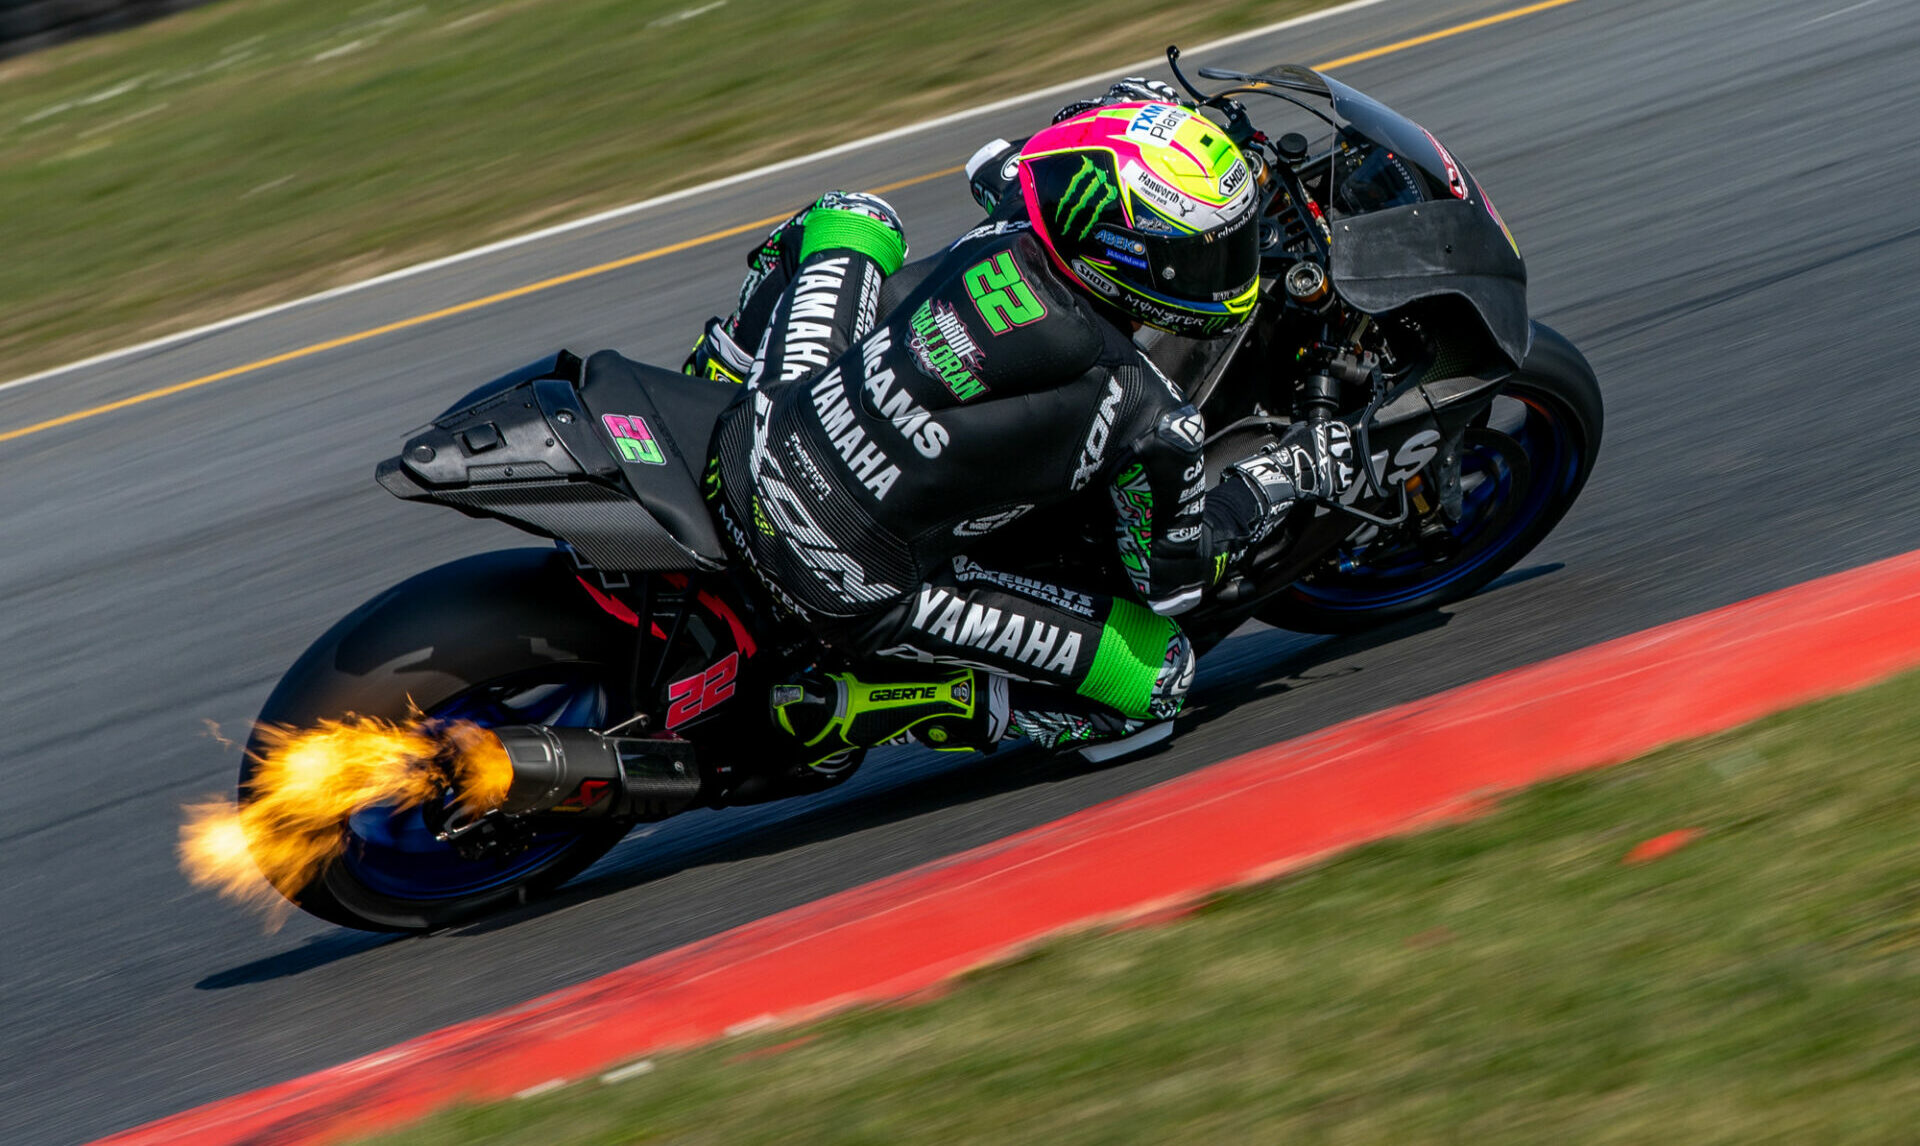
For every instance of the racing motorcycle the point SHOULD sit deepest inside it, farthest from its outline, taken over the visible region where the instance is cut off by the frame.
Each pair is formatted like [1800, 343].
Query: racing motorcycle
[625, 667]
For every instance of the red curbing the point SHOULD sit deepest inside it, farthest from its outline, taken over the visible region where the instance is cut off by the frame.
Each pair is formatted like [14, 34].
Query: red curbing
[1241, 820]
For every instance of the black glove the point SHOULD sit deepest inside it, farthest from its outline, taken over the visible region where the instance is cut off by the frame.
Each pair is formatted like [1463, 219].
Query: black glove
[1129, 90]
[1312, 463]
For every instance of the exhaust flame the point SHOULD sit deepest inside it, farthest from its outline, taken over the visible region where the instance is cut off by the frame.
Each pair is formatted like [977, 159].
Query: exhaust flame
[309, 781]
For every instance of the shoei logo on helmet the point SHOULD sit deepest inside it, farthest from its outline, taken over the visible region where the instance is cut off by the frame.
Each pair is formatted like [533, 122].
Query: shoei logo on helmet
[1233, 179]
[1090, 277]
[632, 438]
[1089, 191]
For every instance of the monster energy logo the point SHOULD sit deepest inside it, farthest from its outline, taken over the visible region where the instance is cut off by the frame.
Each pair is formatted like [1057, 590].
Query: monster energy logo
[1093, 188]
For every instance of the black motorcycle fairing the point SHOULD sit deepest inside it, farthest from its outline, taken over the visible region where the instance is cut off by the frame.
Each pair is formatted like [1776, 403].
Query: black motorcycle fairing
[1408, 223]
[560, 364]
[1405, 255]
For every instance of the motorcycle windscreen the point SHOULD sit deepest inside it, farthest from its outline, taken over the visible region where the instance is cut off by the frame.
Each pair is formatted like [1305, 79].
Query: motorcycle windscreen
[1410, 222]
[1393, 159]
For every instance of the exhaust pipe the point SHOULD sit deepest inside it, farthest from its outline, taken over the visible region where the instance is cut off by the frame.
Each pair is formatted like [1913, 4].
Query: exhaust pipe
[580, 773]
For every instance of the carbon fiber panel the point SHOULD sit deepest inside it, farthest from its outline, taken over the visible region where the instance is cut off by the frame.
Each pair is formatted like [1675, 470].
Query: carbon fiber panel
[606, 526]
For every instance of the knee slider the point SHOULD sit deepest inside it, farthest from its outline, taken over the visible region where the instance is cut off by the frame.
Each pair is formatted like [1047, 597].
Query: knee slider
[1175, 677]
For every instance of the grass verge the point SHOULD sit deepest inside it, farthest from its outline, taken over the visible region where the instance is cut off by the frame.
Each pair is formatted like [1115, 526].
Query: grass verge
[1512, 979]
[255, 150]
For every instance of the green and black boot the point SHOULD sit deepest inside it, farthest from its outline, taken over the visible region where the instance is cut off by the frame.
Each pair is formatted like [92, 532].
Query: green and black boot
[835, 714]
[717, 356]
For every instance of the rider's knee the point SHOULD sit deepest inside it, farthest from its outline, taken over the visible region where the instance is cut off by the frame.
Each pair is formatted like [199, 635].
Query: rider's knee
[1142, 666]
[855, 221]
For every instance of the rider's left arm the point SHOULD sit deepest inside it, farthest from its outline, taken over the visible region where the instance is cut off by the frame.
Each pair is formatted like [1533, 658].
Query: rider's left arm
[1160, 500]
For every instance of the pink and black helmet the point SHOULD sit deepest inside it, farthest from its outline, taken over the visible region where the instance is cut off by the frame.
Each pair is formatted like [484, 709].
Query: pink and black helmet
[1150, 207]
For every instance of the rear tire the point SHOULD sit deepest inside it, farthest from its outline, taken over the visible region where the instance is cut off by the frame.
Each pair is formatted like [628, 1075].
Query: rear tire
[472, 638]
[1556, 399]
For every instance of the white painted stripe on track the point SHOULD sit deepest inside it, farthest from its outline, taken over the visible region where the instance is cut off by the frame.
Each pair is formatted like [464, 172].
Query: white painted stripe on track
[708, 188]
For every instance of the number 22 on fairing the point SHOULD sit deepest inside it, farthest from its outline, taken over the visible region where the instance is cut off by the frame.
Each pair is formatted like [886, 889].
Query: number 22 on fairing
[701, 691]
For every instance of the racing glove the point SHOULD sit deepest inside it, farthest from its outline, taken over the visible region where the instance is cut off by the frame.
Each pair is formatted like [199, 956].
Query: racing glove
[1129, 90]
[1309, 463]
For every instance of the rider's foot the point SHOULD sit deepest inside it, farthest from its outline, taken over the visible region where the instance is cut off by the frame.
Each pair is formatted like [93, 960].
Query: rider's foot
[718, 356]
[1098, 737]
[832, 714]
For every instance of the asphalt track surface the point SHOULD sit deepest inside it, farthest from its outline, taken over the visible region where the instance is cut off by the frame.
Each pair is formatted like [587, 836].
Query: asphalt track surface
[1715, 203]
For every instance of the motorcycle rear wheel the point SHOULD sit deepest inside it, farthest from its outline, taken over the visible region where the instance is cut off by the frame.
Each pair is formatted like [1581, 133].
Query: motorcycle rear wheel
[499, 638]
[1525, 468]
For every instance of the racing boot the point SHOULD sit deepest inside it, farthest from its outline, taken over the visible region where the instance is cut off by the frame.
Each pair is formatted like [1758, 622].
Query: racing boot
[833, 715]
[716, 355]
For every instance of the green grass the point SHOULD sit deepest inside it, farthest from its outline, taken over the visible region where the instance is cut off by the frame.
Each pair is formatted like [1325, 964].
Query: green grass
[255, 150]
[1507, 980]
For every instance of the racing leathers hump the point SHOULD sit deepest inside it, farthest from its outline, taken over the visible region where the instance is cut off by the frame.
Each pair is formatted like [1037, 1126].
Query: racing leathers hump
[994, 391]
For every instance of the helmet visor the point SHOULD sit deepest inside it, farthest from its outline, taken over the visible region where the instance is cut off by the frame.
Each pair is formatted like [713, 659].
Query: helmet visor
[1210, 269]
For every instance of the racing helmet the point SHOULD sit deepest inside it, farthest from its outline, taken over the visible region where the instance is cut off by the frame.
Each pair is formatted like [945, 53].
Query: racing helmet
[1151, 208]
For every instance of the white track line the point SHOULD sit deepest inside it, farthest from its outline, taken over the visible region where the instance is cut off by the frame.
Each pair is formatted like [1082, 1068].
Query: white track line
[676, 196]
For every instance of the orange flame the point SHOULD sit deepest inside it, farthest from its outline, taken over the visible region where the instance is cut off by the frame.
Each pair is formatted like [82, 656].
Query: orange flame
[308, 781]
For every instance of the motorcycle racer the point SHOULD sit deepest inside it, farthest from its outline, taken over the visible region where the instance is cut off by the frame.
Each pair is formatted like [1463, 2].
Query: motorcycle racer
[868, 454]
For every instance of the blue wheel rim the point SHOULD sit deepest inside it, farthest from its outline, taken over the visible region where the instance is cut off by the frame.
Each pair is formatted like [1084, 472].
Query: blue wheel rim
[1544, 432]
[394, 853]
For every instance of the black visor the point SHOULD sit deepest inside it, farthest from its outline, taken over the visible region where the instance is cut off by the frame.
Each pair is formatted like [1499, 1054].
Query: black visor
[1203, 270]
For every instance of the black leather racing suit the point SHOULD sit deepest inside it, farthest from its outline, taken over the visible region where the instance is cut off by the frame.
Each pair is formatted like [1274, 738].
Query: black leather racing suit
[863, 460]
